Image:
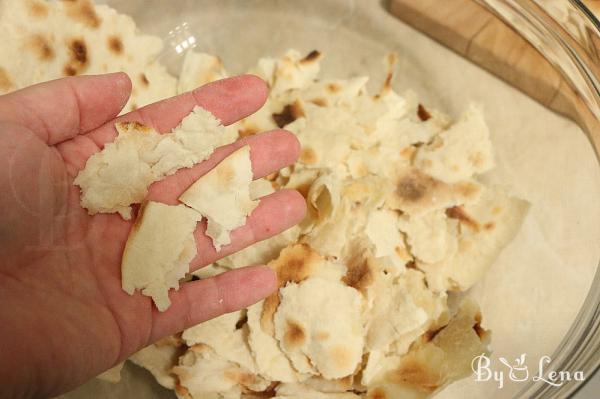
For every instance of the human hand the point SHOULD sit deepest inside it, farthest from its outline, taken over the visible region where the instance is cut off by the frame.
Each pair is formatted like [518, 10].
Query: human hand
[64, 317]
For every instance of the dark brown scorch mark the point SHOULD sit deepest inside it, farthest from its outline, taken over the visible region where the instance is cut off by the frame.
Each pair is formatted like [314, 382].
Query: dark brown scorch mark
[115, 45]
[423, 114]
[459, 213]
[312, 56]
[288, 114]
[78, 57]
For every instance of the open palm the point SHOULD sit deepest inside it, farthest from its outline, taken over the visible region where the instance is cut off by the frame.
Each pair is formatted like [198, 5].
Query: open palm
[64, 317]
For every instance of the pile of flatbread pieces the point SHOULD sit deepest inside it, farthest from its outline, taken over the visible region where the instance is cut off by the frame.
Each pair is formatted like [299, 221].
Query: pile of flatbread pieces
[370, 301]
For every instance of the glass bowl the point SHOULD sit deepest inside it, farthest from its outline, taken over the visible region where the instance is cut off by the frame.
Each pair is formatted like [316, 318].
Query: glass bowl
[567, 34]
[541, 297]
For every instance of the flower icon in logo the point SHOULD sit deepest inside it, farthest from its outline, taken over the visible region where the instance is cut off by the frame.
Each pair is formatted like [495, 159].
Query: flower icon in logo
[519, 371]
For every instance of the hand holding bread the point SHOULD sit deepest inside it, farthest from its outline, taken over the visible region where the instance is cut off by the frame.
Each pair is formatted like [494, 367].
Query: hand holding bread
[62, 266]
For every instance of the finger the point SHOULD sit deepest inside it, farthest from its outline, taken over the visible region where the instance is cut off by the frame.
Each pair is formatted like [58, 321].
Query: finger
[275, 213]
[269, 152]
[203, 300]
[61, 109]
[228, 100]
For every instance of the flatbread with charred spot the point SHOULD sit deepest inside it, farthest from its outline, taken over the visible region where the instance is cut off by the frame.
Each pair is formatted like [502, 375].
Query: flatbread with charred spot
[485, 228]
[320, 319]
[270, 360]
[432, 364]
[460, 152]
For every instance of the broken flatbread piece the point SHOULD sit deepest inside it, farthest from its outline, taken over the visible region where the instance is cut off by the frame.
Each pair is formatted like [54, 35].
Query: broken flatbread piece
[159, 249]
[432, 364]
[271, 362]
[223, 196]
[321, 319]
[112, 375]
[485, 229]
[430, 236]
[199, 69]
[159, 358]
[202, 373]
[460, 152]
[121, 173]
[224, 337]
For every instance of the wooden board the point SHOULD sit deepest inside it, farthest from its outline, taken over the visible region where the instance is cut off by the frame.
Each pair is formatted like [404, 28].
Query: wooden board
[475, 33]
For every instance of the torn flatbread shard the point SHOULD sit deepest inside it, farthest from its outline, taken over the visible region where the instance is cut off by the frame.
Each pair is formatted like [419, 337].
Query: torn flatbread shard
[460, 152]
[382, 230]
[327, 136]
[270, 360]
[121, 173]
[199, 69]
[159, 358]
[295, 263]
[321, 319]
[158, 251]
[485, 228]
[261, 188]
[433, 363]
[224, 337]
[394, 313]
[431, 237]
[201, 372]
[223, 196]
[113, 374]
[332, 217]
[117, 177]
[210, 330]
[292, 71]
[430, 312]
[192, 141]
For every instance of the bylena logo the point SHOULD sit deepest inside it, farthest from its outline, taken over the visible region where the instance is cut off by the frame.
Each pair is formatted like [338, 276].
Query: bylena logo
[518, 371]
